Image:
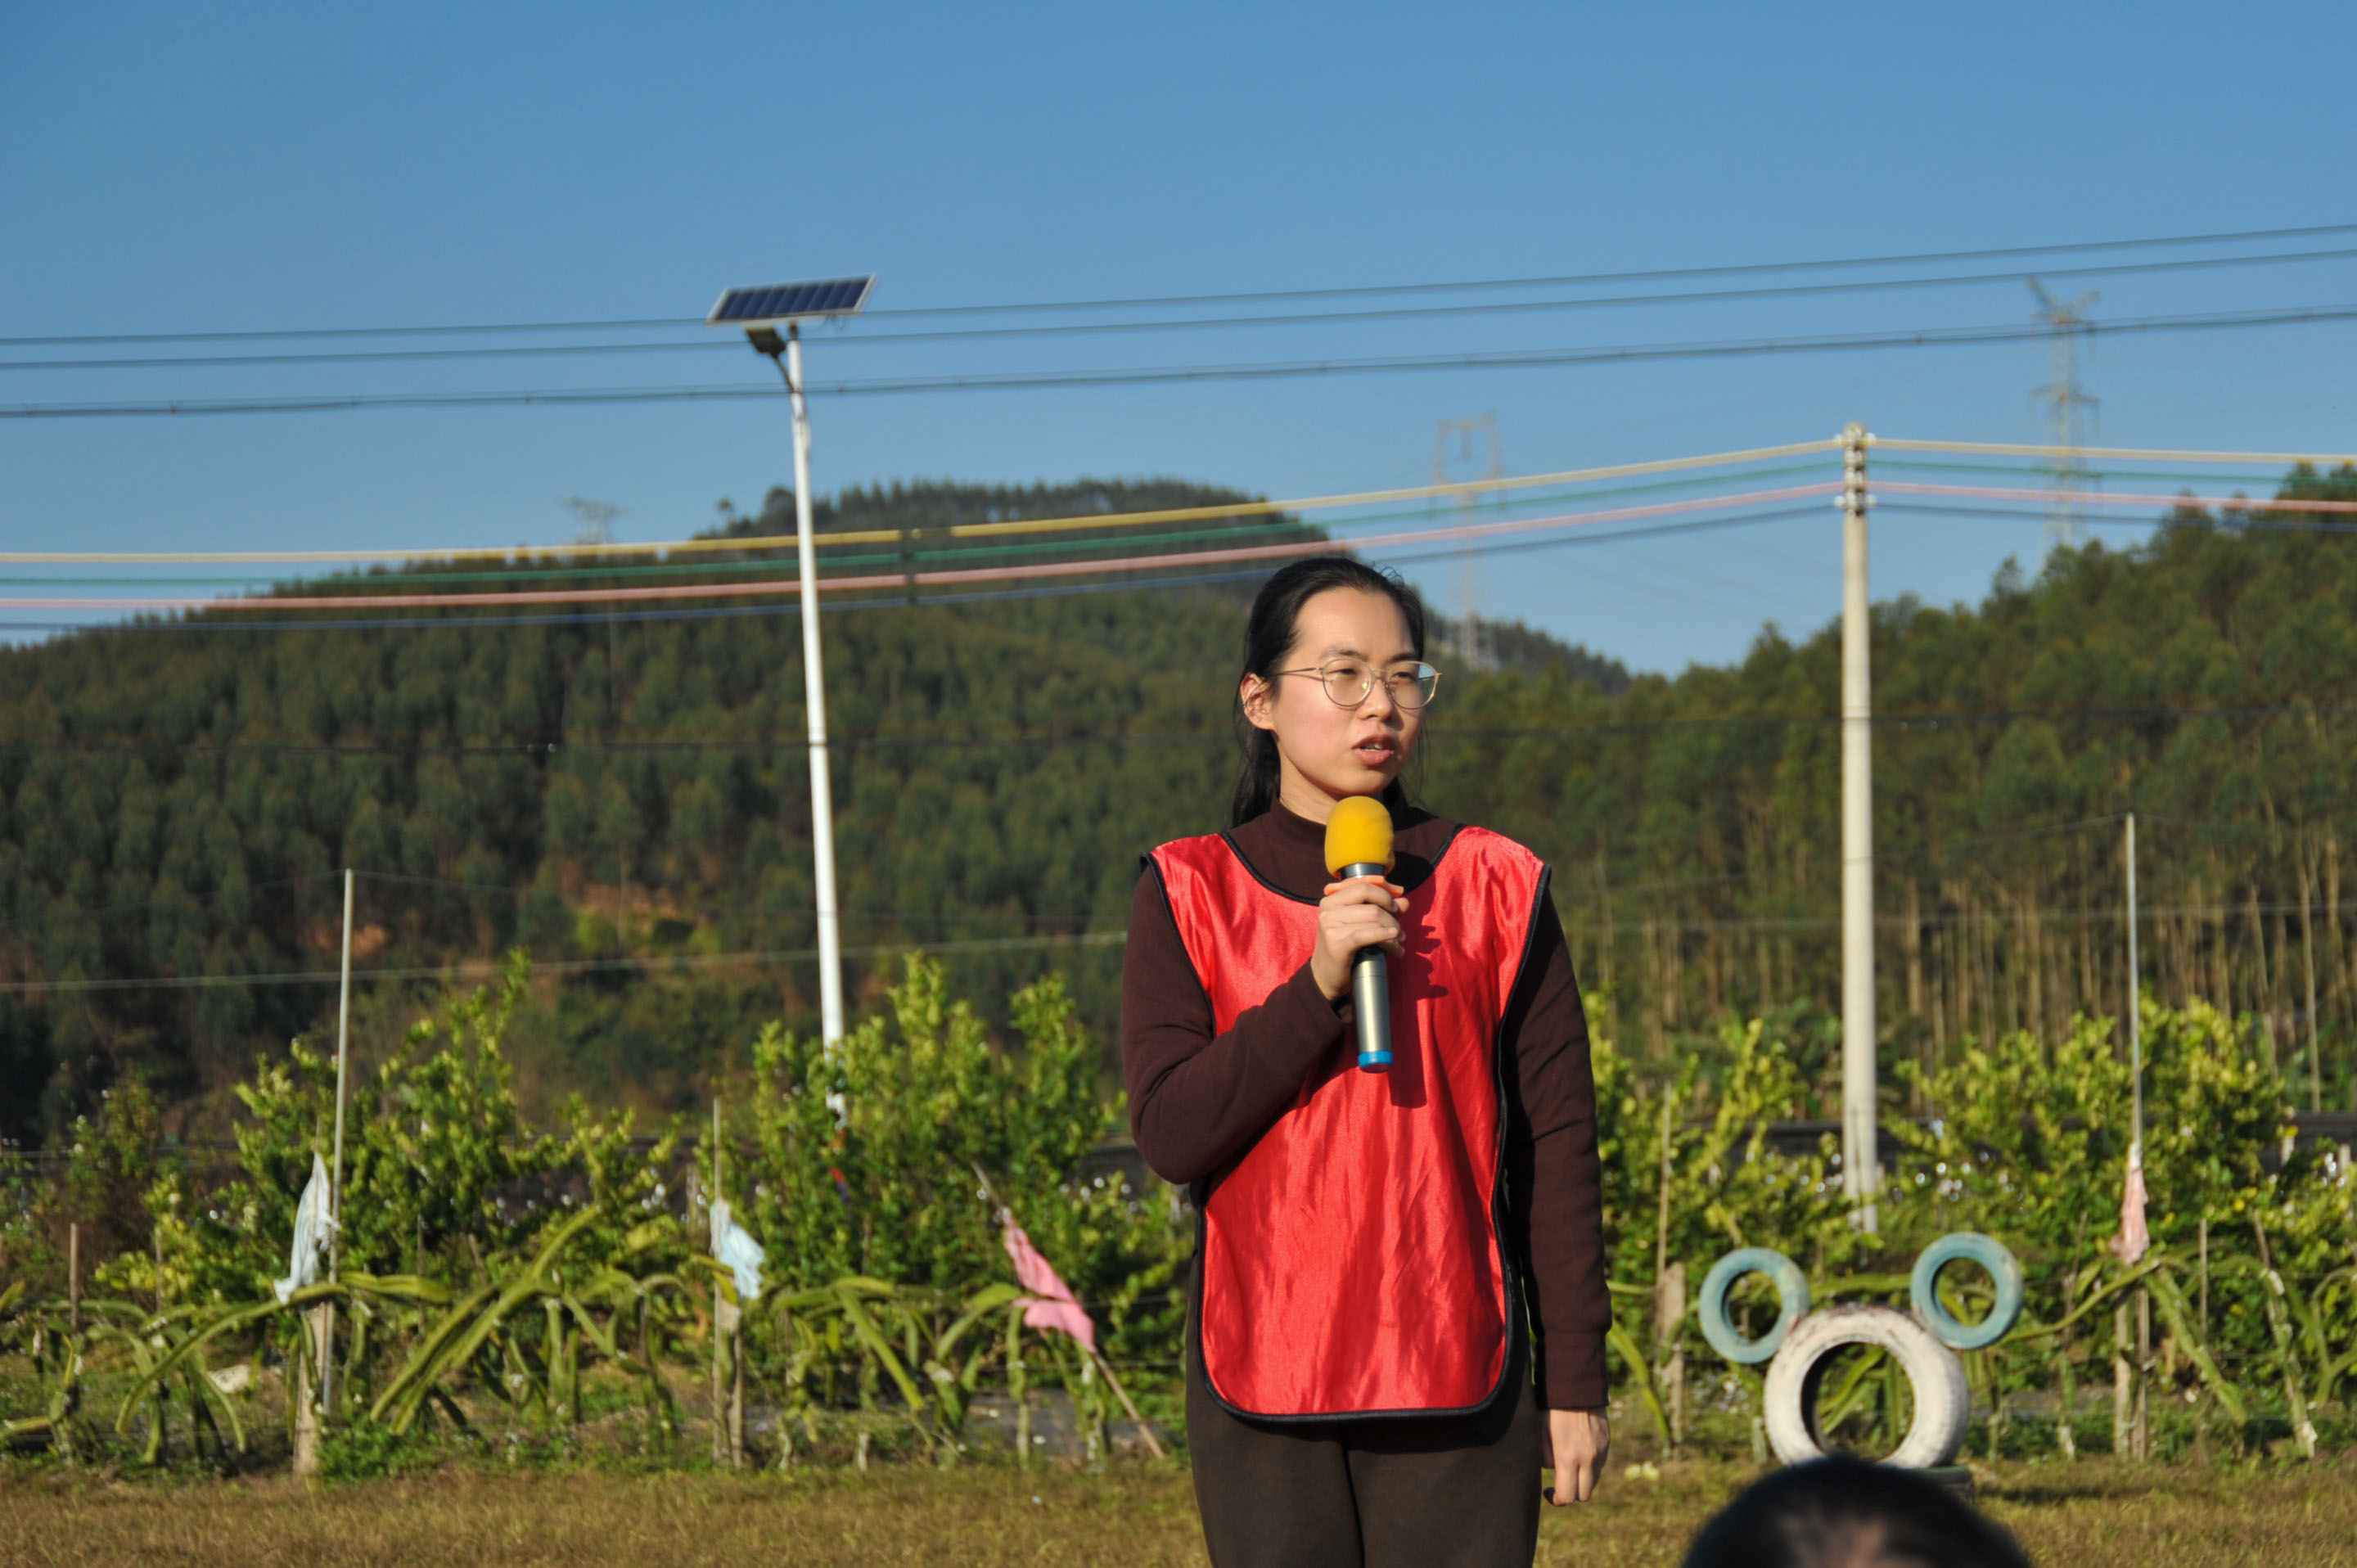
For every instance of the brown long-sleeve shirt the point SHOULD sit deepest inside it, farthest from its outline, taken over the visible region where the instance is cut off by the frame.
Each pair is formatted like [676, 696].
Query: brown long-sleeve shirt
[1197, 1100]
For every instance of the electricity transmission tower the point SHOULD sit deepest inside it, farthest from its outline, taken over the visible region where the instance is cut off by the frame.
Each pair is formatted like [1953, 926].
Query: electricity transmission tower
[1472, 641]
[598, 528]
[2069, 410]
[597, 519]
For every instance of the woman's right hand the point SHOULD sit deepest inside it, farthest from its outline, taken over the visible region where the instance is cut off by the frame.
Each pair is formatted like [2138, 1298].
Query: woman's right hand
[1361, 913]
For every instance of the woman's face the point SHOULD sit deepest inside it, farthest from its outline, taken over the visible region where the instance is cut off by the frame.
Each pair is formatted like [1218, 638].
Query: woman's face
[1329, 751]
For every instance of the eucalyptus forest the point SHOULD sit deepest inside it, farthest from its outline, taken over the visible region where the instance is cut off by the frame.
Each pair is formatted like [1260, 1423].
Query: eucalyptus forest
[625, 799]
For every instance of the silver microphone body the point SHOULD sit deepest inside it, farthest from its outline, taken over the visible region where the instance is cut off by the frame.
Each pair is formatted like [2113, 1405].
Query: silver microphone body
[1371, 992]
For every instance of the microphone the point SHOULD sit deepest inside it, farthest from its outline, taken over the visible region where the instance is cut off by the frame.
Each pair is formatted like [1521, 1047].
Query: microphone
[1359, 843]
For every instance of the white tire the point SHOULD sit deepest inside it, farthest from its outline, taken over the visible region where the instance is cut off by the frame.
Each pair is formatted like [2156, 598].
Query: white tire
[1943, 1404]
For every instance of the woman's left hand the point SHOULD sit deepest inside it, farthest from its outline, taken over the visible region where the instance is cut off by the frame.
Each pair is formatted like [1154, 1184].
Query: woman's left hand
[1576, 1443]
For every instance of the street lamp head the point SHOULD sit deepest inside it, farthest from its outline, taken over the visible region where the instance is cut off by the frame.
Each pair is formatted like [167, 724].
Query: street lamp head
[765, 340]
[772, 305]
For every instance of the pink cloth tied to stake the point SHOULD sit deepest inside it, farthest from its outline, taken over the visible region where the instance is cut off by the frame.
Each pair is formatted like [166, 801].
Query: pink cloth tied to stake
[2133, 1239]
[1050, 1303]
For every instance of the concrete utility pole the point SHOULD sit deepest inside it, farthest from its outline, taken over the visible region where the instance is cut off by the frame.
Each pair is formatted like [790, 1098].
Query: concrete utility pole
[1861, 1173]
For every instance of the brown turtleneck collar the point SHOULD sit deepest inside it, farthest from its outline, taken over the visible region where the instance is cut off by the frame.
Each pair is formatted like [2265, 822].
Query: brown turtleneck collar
[1287, 851]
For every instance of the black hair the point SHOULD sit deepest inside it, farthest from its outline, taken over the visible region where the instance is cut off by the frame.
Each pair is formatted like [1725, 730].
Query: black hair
[1846, 1512]
[1269, 634]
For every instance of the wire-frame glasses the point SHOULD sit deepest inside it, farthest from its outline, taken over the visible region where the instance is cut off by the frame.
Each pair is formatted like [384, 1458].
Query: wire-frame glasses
[1350, 682]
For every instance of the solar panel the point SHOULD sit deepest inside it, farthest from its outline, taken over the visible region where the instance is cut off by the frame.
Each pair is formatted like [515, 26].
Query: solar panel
[790, 302]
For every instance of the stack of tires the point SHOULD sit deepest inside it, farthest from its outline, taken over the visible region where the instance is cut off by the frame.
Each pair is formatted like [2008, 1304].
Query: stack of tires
[1799, 1345]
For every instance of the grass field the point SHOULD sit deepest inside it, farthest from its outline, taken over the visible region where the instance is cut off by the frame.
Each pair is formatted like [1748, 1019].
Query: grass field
[1134, 1516]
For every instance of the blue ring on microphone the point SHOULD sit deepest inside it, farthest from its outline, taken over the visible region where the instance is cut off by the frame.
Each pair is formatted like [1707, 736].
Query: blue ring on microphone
[1374, 1061]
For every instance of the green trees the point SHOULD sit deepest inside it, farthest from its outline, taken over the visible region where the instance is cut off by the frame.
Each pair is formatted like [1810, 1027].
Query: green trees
[868, 1159]
[627, 800]
[2201, 679]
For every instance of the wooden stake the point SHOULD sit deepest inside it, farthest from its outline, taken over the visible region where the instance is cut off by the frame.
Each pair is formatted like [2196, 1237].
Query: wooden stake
[736, 1391]
[2143, 1376]
[2204, 1231]
[1121, 1394]
[720, 1449]
[308, 1354]
[2121, 1398]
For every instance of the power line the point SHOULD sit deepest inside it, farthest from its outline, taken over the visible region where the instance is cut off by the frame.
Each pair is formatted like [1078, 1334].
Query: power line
[2105, 914]
[488, 967]
[2108, 498]
[1102, 328]
[1570, 280]
[2150, 476]
[2259, 520]
[2124, 453]
[576, 553]
[940, 576]
[1034, 380]
[1561, 280]
[429, 621]
[1443, 732]
[1072, 523]
[896, 600]
[507, 572]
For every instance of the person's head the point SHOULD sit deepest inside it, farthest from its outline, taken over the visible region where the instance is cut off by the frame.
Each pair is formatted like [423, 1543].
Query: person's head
[1844, 1512]
[1333, 688]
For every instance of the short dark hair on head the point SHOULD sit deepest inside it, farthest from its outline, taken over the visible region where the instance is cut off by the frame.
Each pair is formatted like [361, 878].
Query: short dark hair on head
[1844, 1512]
[1269, 633]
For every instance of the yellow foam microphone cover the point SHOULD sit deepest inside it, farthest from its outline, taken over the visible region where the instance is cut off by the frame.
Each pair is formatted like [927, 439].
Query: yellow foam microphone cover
[1359, 834]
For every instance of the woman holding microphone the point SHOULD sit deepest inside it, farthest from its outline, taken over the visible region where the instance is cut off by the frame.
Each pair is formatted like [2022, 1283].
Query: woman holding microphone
[1398, 1302]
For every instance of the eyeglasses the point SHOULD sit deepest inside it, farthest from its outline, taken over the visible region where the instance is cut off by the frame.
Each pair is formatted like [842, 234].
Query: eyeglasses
[1348, 683]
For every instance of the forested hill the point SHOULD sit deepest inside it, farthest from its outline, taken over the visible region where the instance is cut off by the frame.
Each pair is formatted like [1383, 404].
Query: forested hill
[626, 798]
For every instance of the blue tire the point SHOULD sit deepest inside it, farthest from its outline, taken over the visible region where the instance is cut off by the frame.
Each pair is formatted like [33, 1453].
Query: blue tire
[1962, 1247]
[1791, 1293]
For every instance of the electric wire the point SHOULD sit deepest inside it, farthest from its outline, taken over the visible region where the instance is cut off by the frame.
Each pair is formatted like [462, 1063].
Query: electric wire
[2050, 496]
[2255, 521]
[216, 622]
[2123, 453]
[854, 337]
[1461, 489]
[936, 577]
[1443, 731]
[788, 607]
[2047, 470]
[1452, 488]
[1287, 369]
[921, 553]
[1561, 280]
[709, 569]
[492, 967]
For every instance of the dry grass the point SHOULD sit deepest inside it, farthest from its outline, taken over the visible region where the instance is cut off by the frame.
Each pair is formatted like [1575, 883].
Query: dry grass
[2090, 1516]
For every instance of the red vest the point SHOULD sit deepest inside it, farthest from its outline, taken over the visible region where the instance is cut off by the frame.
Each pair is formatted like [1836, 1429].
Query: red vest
[1350, 1260]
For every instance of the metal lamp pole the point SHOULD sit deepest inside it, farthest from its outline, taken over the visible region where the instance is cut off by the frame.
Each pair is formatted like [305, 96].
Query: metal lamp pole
[830, 937]
[760, 312]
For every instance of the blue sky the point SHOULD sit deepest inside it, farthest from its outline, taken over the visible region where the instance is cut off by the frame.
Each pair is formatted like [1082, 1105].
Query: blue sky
[173, 169]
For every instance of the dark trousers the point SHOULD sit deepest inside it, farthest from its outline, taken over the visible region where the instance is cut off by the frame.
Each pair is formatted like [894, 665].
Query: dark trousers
[1455, 1492]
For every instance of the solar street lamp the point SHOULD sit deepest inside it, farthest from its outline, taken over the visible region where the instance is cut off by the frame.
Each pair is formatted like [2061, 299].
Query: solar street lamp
[760, 312]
